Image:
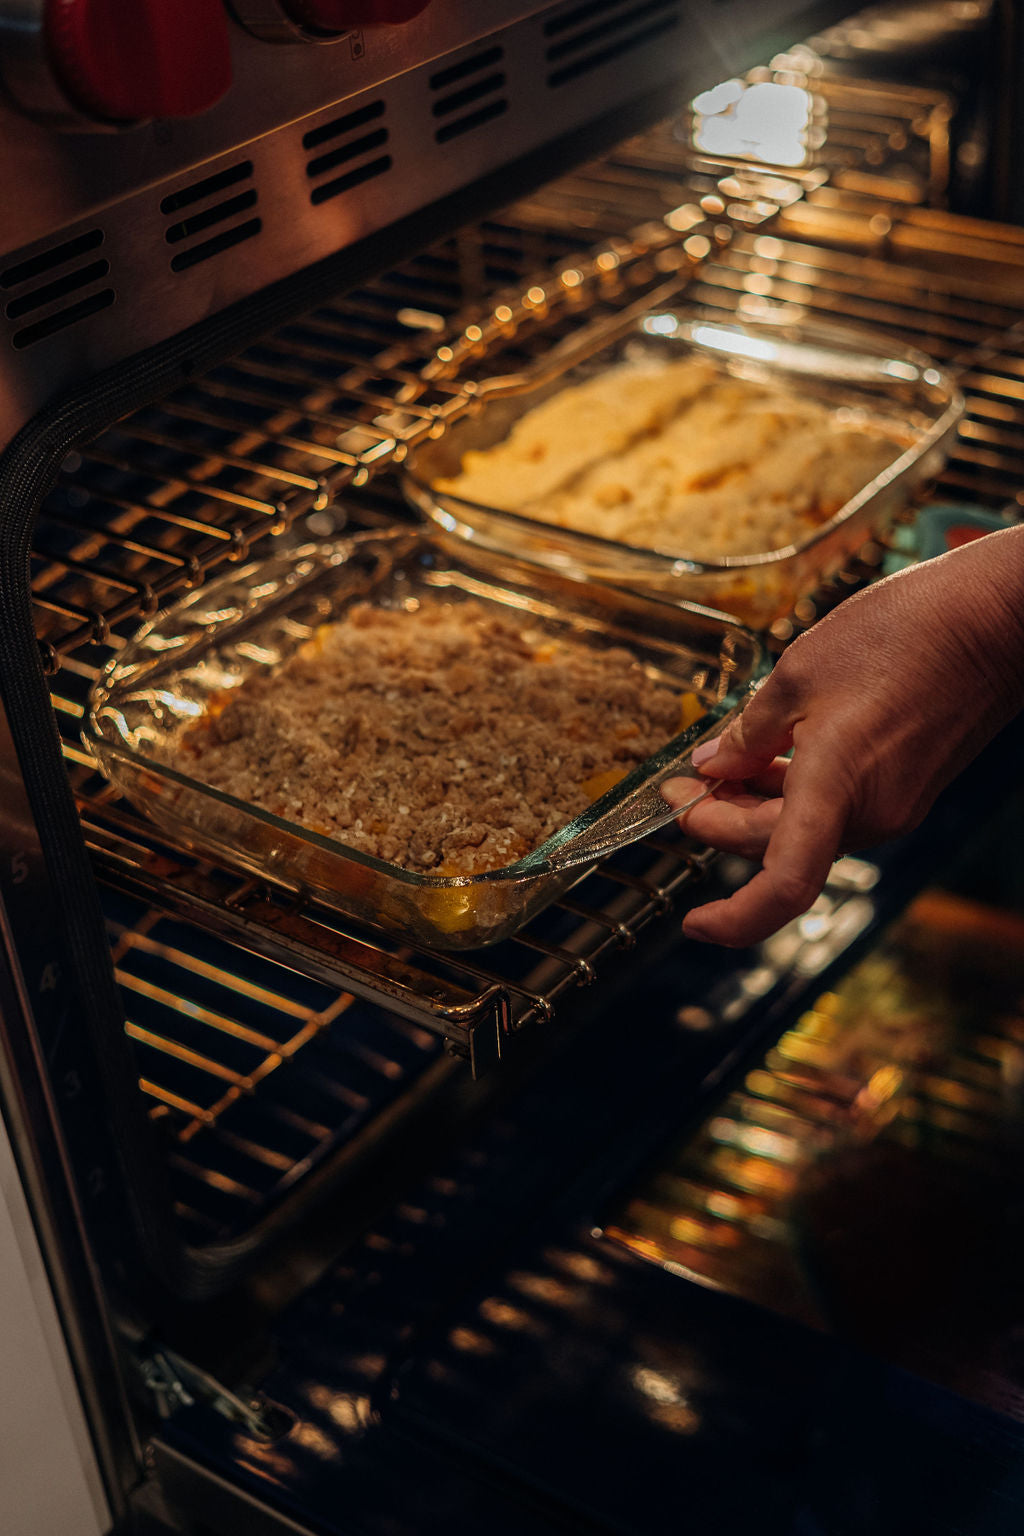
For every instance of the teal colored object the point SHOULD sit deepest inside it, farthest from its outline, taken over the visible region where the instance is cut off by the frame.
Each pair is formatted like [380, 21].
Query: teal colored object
[938, 528]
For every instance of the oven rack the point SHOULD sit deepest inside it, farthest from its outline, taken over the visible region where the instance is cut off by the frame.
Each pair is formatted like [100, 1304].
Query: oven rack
[280, 437]
[250, 1106]
[474, 1001]
[278, 433]
[170, 494]
[259, 1078]
[258, 1083]
[965, 309]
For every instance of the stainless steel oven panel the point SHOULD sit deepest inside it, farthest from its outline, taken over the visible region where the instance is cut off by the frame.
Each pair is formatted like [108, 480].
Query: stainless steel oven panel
[116, 241]
[271, 87]
[63, 176]
[128, 248]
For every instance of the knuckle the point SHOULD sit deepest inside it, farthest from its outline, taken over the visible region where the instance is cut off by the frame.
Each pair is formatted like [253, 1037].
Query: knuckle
[786, 684]
[895, 809]
[794, 891]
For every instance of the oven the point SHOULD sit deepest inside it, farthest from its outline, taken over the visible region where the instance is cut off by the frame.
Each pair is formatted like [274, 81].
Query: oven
[310, 1230]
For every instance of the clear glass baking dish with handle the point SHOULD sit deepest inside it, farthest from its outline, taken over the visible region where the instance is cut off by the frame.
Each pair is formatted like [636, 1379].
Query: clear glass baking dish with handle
[253, 619]
[864, 377]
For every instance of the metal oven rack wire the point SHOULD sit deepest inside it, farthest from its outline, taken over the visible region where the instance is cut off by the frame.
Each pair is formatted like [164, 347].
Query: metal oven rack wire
[269, 1034]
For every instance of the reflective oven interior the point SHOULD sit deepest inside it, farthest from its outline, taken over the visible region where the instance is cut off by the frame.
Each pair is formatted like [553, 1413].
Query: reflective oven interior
[407, 1201]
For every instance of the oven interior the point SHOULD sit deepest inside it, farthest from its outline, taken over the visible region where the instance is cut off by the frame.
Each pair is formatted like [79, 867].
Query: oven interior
[299, 1073]
[268, 1037]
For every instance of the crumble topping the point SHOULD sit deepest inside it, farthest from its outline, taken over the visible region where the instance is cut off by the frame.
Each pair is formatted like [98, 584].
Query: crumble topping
[445, 738]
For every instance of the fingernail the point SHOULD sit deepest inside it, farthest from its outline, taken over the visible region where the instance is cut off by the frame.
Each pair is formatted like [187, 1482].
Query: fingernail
[693, 928]
[705, 752]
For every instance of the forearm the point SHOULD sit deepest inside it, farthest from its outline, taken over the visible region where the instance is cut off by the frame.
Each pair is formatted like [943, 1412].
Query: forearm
[989, 611]
[951, 636]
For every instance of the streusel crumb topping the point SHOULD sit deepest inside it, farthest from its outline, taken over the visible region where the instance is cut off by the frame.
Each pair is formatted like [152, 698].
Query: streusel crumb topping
[445, 738]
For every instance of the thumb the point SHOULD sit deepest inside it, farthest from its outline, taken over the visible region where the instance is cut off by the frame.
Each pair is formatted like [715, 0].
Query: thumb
[752, 742]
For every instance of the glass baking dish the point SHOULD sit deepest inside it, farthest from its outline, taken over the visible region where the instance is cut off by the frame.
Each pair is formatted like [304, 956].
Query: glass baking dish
[868, 378]
[253, 619]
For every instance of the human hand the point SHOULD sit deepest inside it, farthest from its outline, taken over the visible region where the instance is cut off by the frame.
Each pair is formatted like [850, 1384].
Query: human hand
[881, 704]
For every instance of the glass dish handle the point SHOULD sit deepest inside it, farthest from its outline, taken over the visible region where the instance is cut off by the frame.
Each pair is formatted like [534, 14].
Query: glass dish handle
[644, 815]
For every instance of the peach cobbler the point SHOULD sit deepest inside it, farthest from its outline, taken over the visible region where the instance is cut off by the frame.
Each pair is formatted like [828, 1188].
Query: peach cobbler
[441, 736]
[681, 458]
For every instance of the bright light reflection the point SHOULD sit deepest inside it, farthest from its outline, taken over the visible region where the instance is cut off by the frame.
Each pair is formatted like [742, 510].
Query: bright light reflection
[471, 1342]
[684, 217]
[768, 1142]
[854, 874]
[220, 615]
[656, 1385]
[905, 371]
[261, 654]
[721, 340]
[666, 1405]
[719, 99]
[312, 1438]
[754, 1138]
[764, 122]
[758, 981]
[179, 705]
[158, 642]
[768, 246]
[814, 925]
[661, 325]
[347, 1409]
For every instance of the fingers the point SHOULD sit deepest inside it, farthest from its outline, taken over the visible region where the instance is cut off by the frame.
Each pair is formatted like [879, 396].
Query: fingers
[737, 818]
[761, 733]
[801, 847]
[767, 783]
[749, 916]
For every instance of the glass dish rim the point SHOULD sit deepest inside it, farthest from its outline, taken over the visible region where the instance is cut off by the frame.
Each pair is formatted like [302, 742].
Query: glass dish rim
[430, 501]
[530, 866]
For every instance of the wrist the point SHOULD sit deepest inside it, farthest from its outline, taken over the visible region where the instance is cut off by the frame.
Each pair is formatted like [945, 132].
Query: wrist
[990, 579]
[978, 606]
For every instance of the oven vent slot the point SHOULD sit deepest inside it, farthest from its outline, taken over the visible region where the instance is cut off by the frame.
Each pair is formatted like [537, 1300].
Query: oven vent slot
[66, 275]
[353, 146]
[469, 94]
[211, 216]
[587, 37]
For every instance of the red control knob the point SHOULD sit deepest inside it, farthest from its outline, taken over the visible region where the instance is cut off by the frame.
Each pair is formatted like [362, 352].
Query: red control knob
[149, 58]
[336, 15]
